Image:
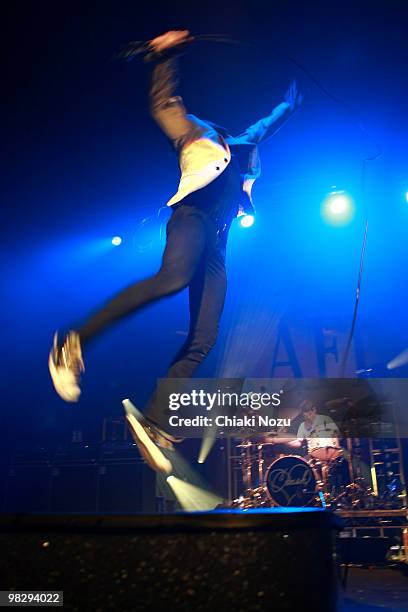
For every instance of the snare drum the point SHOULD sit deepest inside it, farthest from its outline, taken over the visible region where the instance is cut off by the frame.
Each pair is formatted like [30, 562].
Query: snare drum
[324, 449]
[290, 481]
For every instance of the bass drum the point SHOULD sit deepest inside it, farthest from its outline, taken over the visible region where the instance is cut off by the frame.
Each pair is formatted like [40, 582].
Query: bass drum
[290, 481]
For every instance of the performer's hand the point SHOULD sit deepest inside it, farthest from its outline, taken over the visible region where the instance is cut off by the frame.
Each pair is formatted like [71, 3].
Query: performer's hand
[293, 97]
[170, 39]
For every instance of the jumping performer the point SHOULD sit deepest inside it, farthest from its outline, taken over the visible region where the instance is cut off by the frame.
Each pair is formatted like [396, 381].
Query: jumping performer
[217, 174]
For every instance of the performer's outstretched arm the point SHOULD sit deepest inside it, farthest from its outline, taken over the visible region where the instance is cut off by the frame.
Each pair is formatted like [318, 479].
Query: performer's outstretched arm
[166, 107]
[266, 127]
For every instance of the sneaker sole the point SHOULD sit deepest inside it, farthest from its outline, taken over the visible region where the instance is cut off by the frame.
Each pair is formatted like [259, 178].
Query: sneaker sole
[148, 448]
[131, 409]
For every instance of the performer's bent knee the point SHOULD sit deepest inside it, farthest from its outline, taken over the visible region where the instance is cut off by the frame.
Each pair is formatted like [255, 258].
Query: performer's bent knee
[172, 283]
[204, 346]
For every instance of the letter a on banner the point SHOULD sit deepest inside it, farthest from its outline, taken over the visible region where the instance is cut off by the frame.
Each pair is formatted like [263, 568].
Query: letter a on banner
[286, 341]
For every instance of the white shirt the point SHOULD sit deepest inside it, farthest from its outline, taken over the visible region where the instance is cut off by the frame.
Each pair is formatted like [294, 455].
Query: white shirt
[322, 427]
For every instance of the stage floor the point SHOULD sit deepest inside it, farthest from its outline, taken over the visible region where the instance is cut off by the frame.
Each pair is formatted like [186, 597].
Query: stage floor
[376, 588]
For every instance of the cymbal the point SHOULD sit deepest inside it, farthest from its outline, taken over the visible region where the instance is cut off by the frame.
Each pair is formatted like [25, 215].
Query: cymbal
[338, 401]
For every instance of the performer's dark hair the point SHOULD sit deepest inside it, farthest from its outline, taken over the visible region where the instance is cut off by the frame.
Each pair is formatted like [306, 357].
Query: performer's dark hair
[307, 405]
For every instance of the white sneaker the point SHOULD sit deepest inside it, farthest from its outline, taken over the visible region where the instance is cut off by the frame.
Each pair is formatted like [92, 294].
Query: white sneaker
[145, 439]
[66, 365]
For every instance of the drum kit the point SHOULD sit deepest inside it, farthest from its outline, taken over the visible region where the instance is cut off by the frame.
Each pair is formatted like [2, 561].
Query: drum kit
[320, 475]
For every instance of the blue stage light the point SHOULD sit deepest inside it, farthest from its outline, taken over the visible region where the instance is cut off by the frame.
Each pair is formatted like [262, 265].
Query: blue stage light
[116, 241]
[247, 220]
[338, 207]
[406, 196]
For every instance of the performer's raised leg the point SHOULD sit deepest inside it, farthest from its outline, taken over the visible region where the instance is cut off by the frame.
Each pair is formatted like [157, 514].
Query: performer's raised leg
[186, 235]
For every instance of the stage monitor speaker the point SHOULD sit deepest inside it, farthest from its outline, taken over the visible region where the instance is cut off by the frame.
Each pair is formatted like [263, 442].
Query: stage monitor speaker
[367, 551]
[126, 488]
[74, 488]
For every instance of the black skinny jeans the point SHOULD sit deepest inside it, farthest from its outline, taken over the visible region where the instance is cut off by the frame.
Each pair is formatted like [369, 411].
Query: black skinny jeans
[194, 257]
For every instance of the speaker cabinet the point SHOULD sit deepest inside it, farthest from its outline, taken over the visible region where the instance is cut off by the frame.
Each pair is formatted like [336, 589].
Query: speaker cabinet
[126, 488]
[74, 488]
[27, 488]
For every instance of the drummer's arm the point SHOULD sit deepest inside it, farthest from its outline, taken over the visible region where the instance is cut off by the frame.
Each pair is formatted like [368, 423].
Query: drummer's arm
[300, 436]
[296, 442]
[289, 441]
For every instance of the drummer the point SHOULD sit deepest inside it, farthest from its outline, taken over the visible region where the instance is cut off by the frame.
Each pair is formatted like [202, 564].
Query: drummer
[315, 425]
[316, 430]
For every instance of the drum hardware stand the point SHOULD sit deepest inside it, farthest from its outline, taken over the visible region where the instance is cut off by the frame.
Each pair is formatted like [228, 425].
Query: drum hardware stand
[350, 463]
[260, 463]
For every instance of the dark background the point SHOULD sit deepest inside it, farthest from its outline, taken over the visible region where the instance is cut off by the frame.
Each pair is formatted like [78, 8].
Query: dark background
[84, 162]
